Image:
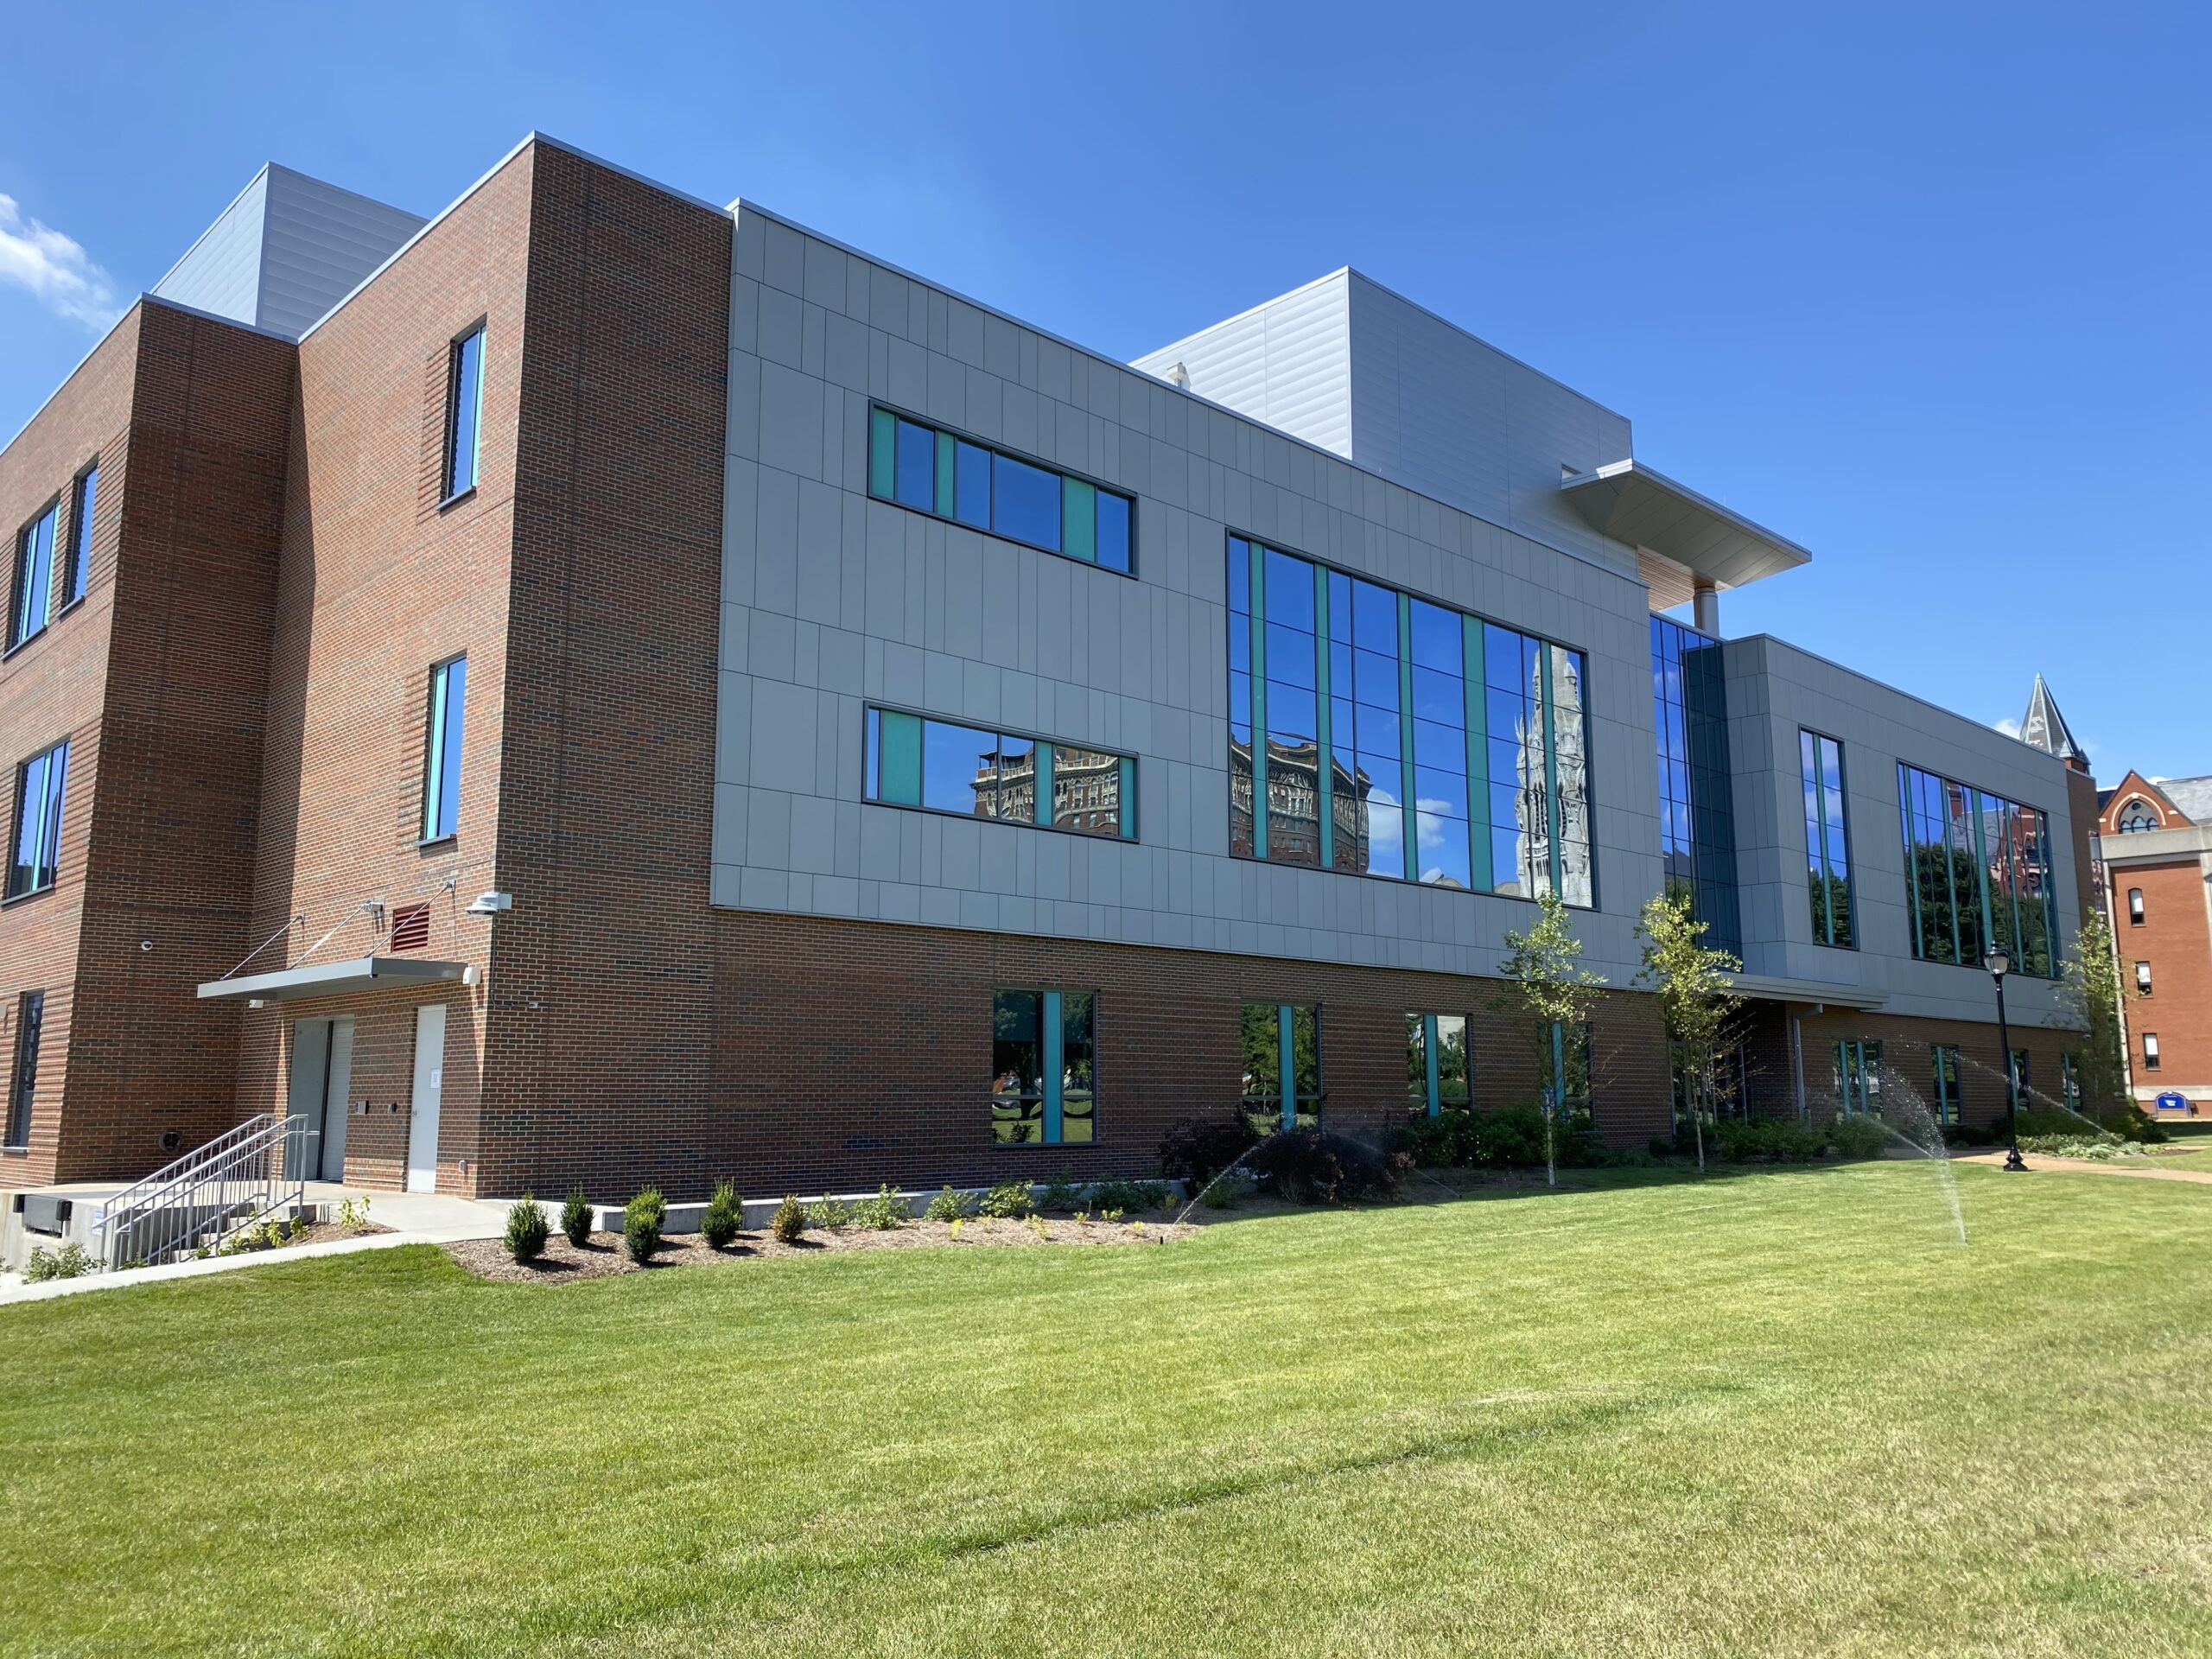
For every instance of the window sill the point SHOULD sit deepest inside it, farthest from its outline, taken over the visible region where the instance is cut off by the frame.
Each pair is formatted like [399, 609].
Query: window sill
[457, 498]
[26, 641]
[430, 843]
[25, 897]
[1011, 824]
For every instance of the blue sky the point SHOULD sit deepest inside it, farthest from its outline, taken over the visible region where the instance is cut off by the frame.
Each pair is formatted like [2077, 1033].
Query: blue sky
[1920, 286]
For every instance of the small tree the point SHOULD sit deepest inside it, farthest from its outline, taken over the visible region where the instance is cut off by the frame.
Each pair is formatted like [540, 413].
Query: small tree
[2090, 989]
[1544, 969]
[1697, 998]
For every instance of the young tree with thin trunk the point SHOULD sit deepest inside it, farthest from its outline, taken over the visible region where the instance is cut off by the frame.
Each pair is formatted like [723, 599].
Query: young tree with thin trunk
[1544, 968]
[2090, 989]
[1697, 997]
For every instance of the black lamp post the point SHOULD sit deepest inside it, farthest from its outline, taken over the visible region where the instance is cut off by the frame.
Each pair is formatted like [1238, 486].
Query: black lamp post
[1998, 964]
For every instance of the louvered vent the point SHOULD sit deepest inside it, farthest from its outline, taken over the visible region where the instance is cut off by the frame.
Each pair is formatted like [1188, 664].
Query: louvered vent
[410, 927]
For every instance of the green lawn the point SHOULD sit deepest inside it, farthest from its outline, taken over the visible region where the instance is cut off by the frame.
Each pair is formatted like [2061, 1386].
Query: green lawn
[1778, 1414]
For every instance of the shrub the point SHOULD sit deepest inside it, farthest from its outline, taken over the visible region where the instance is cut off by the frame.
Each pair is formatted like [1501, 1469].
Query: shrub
[2132, 1122]
[1972, 1135]
[1063, 1191]
[642, 1220]
[885, 1210]
[826, 1211]
[2096, 1149]
[1008, 1201]
[575, 1218]
[1314, 1166]
[1858, 1136]
[354, 1213]
[67, 1262]
[789, 1221]
[725, 1217]
[528, 1228]
[2044, 1120]
[1443, 1141]
[1767, 1140]
[947, 1205]
[1196, 1150]
[1129, 1195]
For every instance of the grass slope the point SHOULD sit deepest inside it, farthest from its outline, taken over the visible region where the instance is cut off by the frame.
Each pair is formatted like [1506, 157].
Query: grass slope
[1781, 1414]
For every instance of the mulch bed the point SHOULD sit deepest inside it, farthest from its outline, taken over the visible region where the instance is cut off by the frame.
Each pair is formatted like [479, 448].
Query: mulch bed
[564, 1263]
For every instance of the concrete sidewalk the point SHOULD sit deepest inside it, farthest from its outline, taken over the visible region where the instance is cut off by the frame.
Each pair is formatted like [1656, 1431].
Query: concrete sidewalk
[415, 1218]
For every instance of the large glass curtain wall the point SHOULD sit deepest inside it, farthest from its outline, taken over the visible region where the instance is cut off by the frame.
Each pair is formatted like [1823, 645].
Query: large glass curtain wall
[1979, 874]
[1697, 835]
[1388, 737]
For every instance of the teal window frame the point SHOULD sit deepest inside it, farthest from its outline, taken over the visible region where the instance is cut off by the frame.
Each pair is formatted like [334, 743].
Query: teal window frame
[1858, 1071]
[1982, 884]
[1285, 1096]
[464, 423]
[443, 736]
[1052, 1078]
[84, 499]
[35, 832]
[1554, 659]
[1080, 495]
[30, 594]
[1943, 1068]
[1828, 864]
[891, 745]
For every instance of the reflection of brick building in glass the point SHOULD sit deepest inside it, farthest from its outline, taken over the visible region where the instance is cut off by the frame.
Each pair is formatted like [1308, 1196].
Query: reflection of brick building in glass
[1294, 823]
[1534, 874]
[1086, 787]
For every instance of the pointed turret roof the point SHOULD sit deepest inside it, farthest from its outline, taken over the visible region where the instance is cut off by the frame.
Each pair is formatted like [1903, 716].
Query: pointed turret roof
[2043, 728]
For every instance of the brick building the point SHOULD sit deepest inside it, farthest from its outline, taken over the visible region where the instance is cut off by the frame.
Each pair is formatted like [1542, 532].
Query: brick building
[2154, 844]
[598, 686]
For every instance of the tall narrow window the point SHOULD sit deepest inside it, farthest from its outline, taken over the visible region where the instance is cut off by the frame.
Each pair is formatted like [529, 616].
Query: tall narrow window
[2070, 1080]
[1043, 1091]
[1437, 1072]
[22, 1078]
[37, 840]
[2135, 906]
[464, 412]
[2149, 1050]
[1827, 856]
[441, 751]
[1946, 1066]
[2142, 979]
[82, 500]
[1858, 1077]
[2022, 1096]
[32, 597]
[1281, 1048]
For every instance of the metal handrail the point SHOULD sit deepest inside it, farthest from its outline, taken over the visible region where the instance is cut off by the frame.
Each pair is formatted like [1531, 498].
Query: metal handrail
[234, 1180]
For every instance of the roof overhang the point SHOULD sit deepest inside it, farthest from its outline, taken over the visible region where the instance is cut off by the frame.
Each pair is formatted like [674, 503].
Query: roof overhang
[1770, 988]
[1629, 502]
[336, 979]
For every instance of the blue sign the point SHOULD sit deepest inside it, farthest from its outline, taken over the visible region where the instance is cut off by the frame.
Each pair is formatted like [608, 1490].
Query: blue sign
[2172, 1101]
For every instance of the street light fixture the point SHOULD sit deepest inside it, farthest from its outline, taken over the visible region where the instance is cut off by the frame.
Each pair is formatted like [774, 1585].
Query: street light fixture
[1998, 965]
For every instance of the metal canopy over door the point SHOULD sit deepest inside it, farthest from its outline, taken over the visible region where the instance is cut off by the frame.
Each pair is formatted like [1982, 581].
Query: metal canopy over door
[322, 1077]
[429, 1082]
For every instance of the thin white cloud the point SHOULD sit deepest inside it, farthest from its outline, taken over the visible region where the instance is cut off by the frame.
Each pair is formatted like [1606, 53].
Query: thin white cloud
[56, 269]
[2010, 728]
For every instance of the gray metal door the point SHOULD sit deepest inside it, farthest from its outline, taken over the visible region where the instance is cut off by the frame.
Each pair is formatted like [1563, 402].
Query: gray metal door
[307, 1095]
[336, 1103]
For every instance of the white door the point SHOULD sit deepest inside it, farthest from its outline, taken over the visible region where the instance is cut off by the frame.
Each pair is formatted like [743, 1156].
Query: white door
[430, 1080]
[335, 1102]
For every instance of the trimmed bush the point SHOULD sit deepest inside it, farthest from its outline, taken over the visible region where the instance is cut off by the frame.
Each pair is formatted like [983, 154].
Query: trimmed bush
[1858, 1137]
[1196, 1150]
[1767, 1140]
[725, 1217]
[1314, 1166]
[885, 1210]
[2098, 1149]
[575, 1218]
[1008, 1201]
[642, 1220]
[947, 1205]
[1063, 1191]
[528, 1228]
[789, 1221]
[1127, 1196]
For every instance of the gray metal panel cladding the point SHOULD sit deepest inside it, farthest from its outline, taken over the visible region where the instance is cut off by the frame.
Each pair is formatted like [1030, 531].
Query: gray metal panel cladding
[318, 243]
[220, 273]
[1287, 363]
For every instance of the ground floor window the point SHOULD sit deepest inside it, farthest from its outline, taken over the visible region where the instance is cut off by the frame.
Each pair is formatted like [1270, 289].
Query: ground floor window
[1044, 1090]
[1944, 1059]
[1728, 1095]
[2070, 1081]
[1858, 1077]
[22, 1078]
[2022, 1095]
[1281, 1044]
[1438, 1071]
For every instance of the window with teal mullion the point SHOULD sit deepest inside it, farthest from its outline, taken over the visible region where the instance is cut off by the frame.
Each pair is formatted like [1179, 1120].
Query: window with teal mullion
[1281, 1043]
[1828, 859]
[1480, 872]
[1325, 757]
[1551, 774]
[942, 766]
[1043, 1090]
[938, 472]
[1978, 872]
[1437, 1071]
